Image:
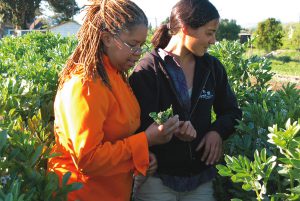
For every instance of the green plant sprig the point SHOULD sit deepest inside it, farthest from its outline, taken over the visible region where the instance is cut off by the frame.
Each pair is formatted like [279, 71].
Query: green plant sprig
[162, 116]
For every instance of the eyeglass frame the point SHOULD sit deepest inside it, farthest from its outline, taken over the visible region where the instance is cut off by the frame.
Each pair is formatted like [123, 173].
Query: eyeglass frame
[133, 49]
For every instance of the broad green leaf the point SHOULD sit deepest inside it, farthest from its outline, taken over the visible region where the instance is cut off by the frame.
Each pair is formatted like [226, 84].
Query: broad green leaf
[295, 163]
[3, 138]
[286, 161]
[223, 170]
[270, 169]
[247, 187]
[263, 155]
[9, 197]
[75, 186]
[36, 155]
[256, 157]
[236, 179]
[66, 178]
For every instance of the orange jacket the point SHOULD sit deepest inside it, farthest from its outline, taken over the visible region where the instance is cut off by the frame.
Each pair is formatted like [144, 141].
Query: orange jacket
[94, 129]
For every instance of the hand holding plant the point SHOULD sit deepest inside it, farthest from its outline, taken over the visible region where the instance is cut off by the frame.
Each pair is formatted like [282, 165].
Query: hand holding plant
[162, 130]
[186, 132]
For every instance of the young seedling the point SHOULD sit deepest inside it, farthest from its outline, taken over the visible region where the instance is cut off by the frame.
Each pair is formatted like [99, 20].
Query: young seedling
[162, 116]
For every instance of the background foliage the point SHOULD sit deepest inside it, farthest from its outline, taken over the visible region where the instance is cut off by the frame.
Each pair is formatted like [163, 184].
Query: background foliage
[228, 29]
[29, 67]
[256, 165]
[291, 39]
[22, 12]
[269, 35]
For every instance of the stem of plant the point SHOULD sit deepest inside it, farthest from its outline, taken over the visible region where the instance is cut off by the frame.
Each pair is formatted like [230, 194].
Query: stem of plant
[291, 181]
[256, 191]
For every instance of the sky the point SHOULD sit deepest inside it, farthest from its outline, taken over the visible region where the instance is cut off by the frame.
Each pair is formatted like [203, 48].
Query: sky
[247, 13]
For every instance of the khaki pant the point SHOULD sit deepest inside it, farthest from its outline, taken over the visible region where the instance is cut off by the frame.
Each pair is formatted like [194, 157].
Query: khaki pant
[153, 189]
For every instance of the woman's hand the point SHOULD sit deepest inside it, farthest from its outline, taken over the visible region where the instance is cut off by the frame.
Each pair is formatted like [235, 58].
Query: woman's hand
[152, 165]
[212, 143]
[160, 134]
[186, 131]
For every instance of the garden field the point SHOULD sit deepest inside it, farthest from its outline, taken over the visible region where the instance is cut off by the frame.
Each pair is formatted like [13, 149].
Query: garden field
[262, 160]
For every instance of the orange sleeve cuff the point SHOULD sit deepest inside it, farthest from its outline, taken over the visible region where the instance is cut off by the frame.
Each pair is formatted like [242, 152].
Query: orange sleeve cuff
[140, 153]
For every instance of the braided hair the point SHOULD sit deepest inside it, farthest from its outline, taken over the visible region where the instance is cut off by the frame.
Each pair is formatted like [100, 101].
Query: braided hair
[111, 16]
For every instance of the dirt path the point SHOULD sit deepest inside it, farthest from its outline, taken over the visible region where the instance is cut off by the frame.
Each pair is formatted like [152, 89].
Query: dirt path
[279, 80]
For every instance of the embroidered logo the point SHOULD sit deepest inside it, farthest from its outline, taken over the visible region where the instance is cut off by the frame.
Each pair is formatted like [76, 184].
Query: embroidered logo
[205, 94]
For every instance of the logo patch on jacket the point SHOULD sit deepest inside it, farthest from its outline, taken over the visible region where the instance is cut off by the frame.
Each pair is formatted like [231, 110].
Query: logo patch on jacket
[206, 94]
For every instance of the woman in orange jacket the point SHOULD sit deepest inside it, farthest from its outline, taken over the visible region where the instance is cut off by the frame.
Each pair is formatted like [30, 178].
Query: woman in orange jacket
[96, 113]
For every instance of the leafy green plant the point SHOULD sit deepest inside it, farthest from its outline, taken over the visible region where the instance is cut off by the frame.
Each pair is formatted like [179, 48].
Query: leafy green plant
[255, 175]
[249, 77]
[246, 75]
[288, 142]
[29, 67]
[163, 116]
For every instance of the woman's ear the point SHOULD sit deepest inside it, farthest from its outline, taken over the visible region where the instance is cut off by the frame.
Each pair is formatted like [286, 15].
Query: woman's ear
[107, 39]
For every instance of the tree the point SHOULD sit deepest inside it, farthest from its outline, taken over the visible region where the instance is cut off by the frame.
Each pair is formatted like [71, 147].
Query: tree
[296, 37]
[269, 35]
[64, 9]
[228, 30]
[18, 12]
[291, 39]
[22, 12]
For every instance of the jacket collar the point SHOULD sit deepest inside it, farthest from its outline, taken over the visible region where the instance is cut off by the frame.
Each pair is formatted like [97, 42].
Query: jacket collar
[203, 69]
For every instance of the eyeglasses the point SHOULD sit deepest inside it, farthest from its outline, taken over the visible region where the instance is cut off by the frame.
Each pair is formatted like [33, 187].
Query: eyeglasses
[134, 49]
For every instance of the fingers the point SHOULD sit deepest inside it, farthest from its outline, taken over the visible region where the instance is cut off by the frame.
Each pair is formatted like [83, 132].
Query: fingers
[191, 132]
[171, 125]
[206, 151]
[213, 155]
[160, 134]
[152, 165]
[186, 131]
[172, 120]
[184, 127]
[152, 157]
[212, 152]
[181, 123]
[152, 169]
[201, 144]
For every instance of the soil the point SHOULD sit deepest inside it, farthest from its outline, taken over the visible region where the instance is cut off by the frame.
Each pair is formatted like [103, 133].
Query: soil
[279, 80]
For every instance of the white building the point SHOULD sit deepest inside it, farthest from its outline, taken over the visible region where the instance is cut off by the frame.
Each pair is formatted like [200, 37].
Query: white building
[66, 29]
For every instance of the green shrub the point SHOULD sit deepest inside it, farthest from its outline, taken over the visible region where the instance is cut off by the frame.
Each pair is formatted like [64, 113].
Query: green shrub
[255, 175]
[262, 107]
[29, 67]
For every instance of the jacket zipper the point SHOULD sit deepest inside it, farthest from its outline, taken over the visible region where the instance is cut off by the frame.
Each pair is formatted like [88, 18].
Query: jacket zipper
[193, 110]
[197, 101]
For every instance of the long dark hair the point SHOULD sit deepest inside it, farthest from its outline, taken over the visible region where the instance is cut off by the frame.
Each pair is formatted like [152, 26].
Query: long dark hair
[113, 16]
[193, 13]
